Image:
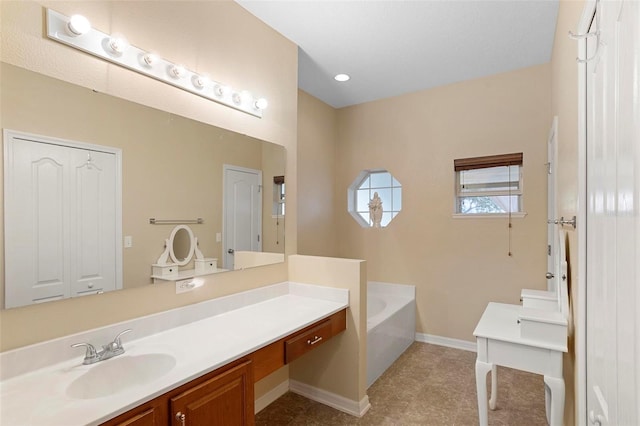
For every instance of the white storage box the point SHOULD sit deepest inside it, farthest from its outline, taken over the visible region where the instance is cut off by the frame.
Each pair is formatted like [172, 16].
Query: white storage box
[164, 270]
[206, 265]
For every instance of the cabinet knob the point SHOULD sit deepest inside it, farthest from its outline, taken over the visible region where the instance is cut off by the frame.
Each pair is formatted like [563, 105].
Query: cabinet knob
[181, 418]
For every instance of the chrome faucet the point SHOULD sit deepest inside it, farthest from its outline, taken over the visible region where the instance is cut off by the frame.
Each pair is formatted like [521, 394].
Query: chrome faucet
[109, 350]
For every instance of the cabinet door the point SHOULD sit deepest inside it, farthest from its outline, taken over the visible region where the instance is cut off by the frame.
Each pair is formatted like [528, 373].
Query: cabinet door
[153, 413]
[226, 399]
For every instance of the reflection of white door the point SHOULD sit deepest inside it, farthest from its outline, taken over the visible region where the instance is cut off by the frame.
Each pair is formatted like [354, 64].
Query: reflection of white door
[61, 220]
[552, 233]
[613, 222]
[242, 217]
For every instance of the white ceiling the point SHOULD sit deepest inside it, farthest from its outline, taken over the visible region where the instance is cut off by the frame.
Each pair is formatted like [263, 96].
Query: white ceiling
[391, 47]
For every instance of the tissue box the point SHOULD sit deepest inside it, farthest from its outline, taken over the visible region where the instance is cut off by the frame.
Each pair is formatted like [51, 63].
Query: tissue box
[206, 265]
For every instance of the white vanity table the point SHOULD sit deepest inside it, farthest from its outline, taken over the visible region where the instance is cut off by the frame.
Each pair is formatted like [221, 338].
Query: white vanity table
[530, 337]
[180, 248]
[501, 342]
[38, 384]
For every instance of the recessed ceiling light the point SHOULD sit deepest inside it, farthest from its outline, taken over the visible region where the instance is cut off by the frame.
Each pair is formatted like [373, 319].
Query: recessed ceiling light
[342, 77]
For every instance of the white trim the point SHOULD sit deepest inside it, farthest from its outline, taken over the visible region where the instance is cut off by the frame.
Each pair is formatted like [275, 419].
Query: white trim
[269, 397]
[581, 321]
[464, 345]
[516, 215]
[349, 406]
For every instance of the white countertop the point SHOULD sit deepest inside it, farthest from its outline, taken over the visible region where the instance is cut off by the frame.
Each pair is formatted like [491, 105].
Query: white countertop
[41, 397]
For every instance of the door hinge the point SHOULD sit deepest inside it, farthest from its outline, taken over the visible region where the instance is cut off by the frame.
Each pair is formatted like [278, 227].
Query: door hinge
[258, 237]
[259, 188]
[548, 249]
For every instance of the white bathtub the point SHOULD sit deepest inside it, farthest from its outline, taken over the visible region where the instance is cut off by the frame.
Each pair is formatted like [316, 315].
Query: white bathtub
[391, 323]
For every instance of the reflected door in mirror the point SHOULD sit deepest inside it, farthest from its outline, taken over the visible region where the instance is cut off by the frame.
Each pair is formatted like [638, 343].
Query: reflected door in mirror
[60, 220]
[242, 212]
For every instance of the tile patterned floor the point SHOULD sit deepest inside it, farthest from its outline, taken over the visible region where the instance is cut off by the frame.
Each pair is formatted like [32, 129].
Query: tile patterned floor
[427, 385]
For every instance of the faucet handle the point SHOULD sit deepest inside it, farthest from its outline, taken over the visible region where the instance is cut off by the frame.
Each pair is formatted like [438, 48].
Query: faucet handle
[117, 343]
[90, 355]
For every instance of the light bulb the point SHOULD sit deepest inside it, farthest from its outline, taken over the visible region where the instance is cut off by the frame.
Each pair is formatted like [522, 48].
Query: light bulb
[177, 71]
[342, 77]
[78, 25]
[237, 99]
[200, 81]
[261, 103]
[118, 44]
[149, 59]
[220, 90]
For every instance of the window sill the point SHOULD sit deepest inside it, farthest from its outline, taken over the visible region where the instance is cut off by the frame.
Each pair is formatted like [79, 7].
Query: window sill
[518, 215]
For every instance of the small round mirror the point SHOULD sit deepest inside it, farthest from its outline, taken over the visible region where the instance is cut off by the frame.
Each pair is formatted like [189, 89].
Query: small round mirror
[181, 245]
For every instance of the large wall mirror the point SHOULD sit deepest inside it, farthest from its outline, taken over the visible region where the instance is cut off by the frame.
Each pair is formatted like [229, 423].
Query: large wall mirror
[172, 167]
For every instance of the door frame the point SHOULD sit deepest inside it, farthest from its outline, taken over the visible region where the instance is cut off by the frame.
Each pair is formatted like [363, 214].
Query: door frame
[583, 26]
[225, 168]
[9, 134]
[552, 203]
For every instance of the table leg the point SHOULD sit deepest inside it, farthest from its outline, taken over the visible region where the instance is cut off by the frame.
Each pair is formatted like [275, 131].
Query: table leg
[494, 387]
[556, 388]
[482, 368]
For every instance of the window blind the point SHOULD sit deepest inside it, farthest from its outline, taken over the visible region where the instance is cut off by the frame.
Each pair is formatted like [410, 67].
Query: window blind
[472, 163]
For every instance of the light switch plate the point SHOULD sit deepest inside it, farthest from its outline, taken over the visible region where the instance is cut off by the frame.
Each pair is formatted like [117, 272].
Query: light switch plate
[128, 241]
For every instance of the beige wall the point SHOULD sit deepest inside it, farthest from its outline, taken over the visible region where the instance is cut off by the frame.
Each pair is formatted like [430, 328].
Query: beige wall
[317, 158]
[257, 59]
[457, 265]
[340, 365]
[564, 104]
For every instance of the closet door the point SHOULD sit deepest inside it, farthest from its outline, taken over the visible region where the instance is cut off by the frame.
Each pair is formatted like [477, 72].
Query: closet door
[60, 221]
[37, 217]
[93, 230]
[613, 212]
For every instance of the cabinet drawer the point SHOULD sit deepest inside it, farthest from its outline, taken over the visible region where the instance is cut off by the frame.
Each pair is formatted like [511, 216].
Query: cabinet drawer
[310, 339]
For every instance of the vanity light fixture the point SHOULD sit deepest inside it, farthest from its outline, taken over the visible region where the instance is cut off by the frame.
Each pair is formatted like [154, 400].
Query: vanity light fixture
[78, 25]
[342, 77]
[76, 31]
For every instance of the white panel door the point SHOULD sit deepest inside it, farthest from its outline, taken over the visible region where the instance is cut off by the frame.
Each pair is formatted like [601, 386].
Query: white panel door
[60, 221]
[37, 220]
[242, 212]
[613, 239]
[93, 229]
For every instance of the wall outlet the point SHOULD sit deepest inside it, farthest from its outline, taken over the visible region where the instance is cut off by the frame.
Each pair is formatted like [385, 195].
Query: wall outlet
[218, 237]
[183, 286]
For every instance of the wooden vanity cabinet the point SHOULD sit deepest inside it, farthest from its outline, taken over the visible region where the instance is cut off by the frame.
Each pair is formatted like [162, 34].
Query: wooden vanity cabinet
[222, 397]
[226, 396]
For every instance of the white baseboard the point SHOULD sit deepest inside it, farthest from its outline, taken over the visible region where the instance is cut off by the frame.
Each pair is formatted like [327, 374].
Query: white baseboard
[271, 396]
[465, 345]
[355, 408]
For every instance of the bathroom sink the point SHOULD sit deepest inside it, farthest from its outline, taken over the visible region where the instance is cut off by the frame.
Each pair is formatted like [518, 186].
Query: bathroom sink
[117, 374]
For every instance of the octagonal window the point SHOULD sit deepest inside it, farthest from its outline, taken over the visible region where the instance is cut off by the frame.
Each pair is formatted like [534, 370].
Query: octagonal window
[375, 198]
